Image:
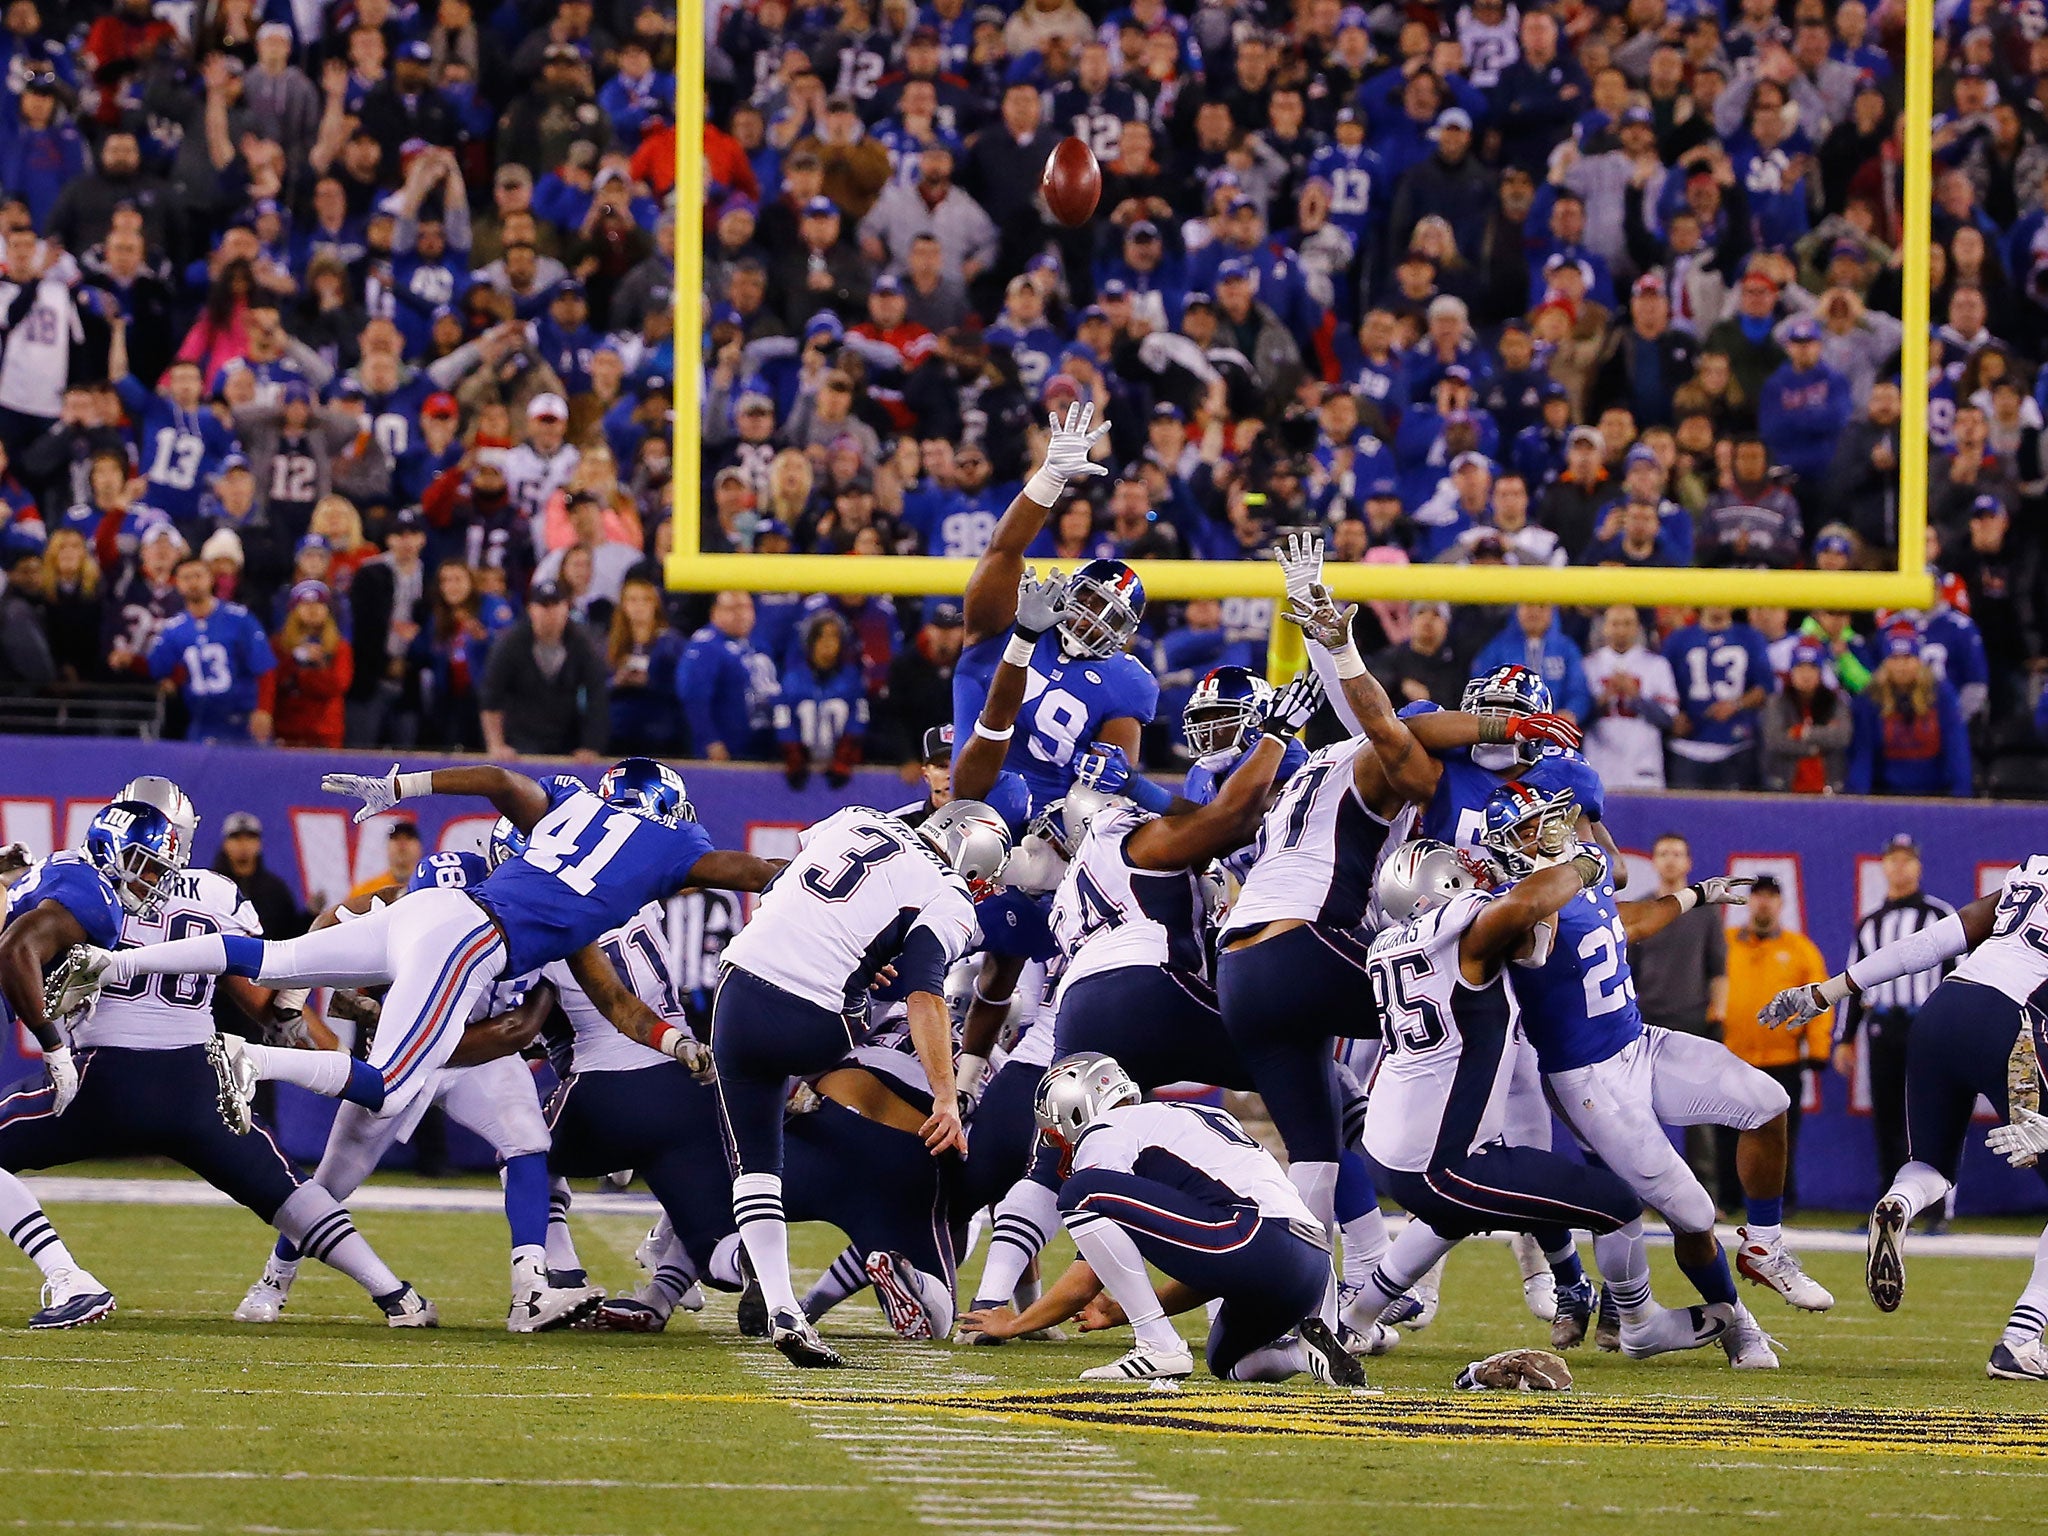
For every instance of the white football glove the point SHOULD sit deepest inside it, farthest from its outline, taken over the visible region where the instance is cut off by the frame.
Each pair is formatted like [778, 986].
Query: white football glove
[377, 794]
[2022, 1139]
[15, 857]
[1725, 890]
[1040, 604]
[1289, 709]
[693, 1053]
[1300, 558]
[61, 1073]
[1794, 1005]
[1067, 454]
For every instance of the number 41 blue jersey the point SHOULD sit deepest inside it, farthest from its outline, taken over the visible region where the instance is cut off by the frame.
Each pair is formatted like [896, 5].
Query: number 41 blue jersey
[588, 867]
[1066, 703]
[1579, 1006]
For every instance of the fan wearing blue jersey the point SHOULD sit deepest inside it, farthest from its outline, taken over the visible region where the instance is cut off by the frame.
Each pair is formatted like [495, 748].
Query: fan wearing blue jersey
[1084, 686]
[1617, 1082]
[182, 440]
[593, 860]
[219, 651]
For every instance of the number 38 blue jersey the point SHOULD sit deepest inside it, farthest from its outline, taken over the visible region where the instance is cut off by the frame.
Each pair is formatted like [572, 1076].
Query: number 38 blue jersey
[1066, 703]
[588, 867]
[1579, 1006]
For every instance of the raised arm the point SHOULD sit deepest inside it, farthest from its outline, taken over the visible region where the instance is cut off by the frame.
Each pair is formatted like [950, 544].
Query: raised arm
[633, 1018]
[1646, 919]
[517, 798]
[977, 761]
[988, 604]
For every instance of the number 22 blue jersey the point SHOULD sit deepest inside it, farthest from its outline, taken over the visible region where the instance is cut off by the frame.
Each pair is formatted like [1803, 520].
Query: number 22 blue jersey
[588, 867]
[1066, 703]
[1579, 1006]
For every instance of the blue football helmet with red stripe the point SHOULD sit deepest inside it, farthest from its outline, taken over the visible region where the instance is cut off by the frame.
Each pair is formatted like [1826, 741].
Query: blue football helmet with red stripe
[1508, 690]
[136, 846]
[1225, 705]
[1528, 829]
[1105, 601]
[647, 788]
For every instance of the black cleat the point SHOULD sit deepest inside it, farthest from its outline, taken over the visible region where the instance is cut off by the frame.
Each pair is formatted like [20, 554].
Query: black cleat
[753, 1308]
[1328, 1361]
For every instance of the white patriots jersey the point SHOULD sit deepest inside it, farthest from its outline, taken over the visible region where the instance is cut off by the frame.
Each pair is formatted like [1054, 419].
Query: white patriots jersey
[1318, 848]
[161, 1013]
[1489, 49]
[860, 884]
[1204, 1139]
[1441, 1086]
[1108, 914]
[2014, 959]
[1032, 1044]
[639, 953]
[531, 477]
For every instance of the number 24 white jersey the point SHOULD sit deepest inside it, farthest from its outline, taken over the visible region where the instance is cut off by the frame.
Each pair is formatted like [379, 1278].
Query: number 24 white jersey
[160, 1013]
[2015, 958]
[1109, 914]
[860, 883]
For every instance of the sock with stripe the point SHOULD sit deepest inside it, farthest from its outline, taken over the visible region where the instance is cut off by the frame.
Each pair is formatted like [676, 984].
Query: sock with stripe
[757, 1212]
[30, 1230]
[320, 1227]
[1117, 1263]
[1711, 1279]
[1562, 1255]
[327, 1073]
[673, 1276]
[2030, 1314]
[846, 1276]
[1624, 1260]
[1025, 1220]
[1408, 1258]
[561, 1244]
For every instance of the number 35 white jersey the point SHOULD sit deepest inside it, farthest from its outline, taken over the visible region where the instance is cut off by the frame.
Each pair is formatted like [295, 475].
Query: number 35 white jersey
[1441, 1085]
[160, 1013]
[861, 882]
[1109, 914]
[1319, 848]
[2015, 958]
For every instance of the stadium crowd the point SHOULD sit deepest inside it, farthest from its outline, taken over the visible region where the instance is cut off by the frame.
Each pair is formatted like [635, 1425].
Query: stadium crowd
[335, 392]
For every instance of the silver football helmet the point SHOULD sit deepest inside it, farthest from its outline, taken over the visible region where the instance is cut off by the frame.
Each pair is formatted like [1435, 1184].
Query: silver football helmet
[972, 839]
[154, 789]
[1078, 807]
[1078, 1090]
[1421, 876]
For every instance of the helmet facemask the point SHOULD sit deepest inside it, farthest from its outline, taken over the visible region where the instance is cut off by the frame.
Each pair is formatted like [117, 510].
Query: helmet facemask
[1097, 622]
[1545, 836]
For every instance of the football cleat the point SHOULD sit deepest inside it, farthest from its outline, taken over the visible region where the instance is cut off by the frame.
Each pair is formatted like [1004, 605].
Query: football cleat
[791, 1333]
[1146, 1363]
[236, 1075]
[753, 1307]
[1373, 1339]
[409, 1309]
[1574, 1315]
[2026, 1362]
[267, 1296]
[1417, 1308]
[1774, 1265]
[1667, 1330]
[896, 1288]
[72, 1299]
[625, 1314]
[1329, 1361]
[1884, 1264]
[1744, 1341]
[552, 1307]
[968, 1336]
[75, 982]
[1539, 1286]
[1607, 1322]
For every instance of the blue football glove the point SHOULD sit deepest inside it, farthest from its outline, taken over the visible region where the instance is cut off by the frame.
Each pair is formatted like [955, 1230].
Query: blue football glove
[1103, 767]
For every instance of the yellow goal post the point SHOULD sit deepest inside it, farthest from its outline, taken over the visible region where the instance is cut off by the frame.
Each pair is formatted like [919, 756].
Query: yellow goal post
[1180, 580]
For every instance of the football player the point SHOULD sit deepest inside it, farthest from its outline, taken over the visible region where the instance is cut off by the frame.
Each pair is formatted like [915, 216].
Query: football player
[142, 1080]
[1185, 1188]
[1977, 1034]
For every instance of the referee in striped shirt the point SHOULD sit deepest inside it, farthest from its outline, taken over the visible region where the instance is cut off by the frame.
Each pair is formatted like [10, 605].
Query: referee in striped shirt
[1885, 1012]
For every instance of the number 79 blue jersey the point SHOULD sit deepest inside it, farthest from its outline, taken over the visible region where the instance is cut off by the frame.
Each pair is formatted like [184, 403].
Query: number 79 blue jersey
[1066, 703]
[1579, 1006]
[587, 869]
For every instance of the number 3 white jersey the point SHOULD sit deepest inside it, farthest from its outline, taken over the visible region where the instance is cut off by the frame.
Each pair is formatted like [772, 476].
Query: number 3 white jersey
[160, 1013]
[861, 882]
[1318, 849]
[2015, 958]
[1442, 1082]
[1109, 914]
[639, 953]
[1130, 1139]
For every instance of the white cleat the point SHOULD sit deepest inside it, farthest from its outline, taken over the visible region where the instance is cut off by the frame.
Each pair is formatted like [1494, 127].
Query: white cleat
[1743, 1339]
[409, 1309]
[2024, 1362]
[1373, 1340]
[552, 1307]
[236, 1075]
[1668, 1330]
[266, 1298]
[76, 982]
[1539, 1286]
[1774, 1265]
[1146, 1363]
[72, 1298]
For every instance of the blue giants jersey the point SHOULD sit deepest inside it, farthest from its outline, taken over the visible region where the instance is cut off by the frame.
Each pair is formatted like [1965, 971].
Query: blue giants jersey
[1066, 703]
[70, 880]
[1018, 925]
[179, 448]
[1456, 813]
[1579, 1006]
[587, 869]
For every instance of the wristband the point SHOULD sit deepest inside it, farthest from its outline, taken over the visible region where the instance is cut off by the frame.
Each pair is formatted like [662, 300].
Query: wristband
[988, 733]
[1493, 729]
[412, 785]
[968, 1071]
[666, 1038]
[1045, 488]
[1688, 898]
[1021, 649]
[1147, 796]
[1834, 989]
[1349, 663]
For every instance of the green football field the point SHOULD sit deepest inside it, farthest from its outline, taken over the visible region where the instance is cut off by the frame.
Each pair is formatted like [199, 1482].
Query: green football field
[171, 1418]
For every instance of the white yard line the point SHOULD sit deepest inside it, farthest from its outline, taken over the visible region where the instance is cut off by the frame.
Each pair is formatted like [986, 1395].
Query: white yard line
[226, 1475]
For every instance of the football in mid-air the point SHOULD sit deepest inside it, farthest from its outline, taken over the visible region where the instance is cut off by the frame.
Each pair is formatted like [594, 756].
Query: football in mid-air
[1072, 182]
